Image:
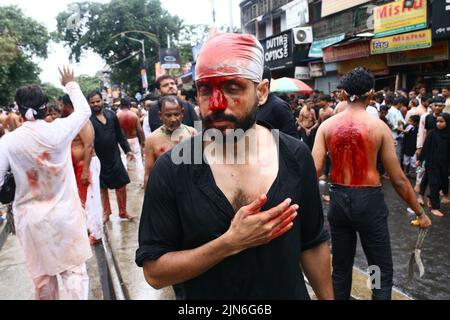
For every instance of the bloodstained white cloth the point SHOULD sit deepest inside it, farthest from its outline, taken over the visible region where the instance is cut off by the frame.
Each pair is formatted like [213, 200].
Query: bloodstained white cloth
[49, 219]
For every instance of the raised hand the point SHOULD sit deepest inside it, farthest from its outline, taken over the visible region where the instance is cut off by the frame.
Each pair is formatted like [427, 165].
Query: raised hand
[67, 75]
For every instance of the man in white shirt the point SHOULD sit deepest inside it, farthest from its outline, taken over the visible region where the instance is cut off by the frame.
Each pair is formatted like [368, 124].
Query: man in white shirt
[49, 219]
[395, 117]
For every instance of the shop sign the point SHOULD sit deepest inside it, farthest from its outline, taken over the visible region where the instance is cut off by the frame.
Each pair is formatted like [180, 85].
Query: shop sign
[302, 73]
[441, 19]
[278, 50]
[318, 45]
[316, 69]
[376, 64]
[394, 18]
[402, 42]
[330, 7]
[170, 58]
[346, 52]
[297, 14]
[438, 52]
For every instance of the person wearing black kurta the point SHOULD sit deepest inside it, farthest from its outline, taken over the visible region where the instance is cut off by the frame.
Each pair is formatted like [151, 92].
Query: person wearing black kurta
[184, 209]
[113, 174]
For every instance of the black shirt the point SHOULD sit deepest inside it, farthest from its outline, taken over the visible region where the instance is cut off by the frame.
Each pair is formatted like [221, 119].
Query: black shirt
[277, 113]
[184, 209]
[113, 174]
[190, 116]
[409, 142]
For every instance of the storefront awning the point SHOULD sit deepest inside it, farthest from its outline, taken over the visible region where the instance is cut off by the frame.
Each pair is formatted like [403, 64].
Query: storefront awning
[316, 48]
[348, 49]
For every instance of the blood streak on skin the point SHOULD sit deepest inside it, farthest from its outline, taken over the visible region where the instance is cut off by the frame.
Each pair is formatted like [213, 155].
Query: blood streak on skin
[33, 178]
[128, 123]
[349, 153]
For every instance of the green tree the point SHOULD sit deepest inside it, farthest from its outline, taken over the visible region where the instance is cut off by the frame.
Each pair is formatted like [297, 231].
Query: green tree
[99, 22]
[52, 92]
[88, 84]
[21, 38]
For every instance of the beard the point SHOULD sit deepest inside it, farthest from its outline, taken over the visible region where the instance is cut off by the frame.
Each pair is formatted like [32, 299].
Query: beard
[243, 124]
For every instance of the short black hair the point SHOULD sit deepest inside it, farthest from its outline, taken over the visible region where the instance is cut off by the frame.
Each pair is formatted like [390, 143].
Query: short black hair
[162, 78]
[389, 100]
[384, 108]
[171, 98]
[93, 94]
[125, 102]
[415, 118]
[438, 99]
[267, 74]
[31, 97]
[358, 82]
[426, 97]
[66, 100]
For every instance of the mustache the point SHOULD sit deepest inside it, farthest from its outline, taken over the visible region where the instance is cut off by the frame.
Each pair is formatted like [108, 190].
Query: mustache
[220, 116]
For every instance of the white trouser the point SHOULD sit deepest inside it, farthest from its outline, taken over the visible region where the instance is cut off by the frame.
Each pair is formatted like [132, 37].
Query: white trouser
[137, 161]
[94, 210]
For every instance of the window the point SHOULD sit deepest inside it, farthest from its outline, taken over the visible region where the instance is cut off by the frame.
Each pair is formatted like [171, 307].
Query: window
[254, 11]
[261, 30]
[276, 25]
[263, 7]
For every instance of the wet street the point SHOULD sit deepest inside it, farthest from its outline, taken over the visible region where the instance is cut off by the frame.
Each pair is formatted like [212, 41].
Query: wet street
[435, 283]
[129, 281]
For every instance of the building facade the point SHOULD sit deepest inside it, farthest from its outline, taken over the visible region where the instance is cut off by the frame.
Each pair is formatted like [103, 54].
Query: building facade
[404, 43]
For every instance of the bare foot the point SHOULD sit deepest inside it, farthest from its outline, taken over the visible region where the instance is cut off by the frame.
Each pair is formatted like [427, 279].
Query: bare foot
[93, 241]
[323, 177]
[437, 212]
[326, 198]
[126, 216]
[385, 176]
[445, 200]
[105, 218]
[420, 200]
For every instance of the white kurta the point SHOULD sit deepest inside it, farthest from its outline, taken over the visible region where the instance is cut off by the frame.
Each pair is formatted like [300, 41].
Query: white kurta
[50, 222]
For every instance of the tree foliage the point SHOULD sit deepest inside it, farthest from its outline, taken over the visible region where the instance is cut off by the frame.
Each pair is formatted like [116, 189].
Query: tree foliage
[21, 38]
[99, 22]
[88, 84]
[52, 92]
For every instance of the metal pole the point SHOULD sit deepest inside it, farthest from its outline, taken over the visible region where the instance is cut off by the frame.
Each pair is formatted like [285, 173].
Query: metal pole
[143, 53]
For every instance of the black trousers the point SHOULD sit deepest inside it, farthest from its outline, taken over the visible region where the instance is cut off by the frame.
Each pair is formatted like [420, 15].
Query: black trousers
[362, 211]
[438, 180]
[309, 140]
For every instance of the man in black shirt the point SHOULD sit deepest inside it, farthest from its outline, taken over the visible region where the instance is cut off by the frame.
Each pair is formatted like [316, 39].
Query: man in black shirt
[167, 86]
[216, 228]
[277, 112]
[113, 174]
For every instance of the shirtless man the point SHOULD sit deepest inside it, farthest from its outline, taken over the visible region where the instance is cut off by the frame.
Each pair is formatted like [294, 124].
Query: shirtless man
[354, 140]
[307, 123]
[131, 126]
[169, 134]
[14, 120]
[3, 119]
[87, 171]
[326, 111]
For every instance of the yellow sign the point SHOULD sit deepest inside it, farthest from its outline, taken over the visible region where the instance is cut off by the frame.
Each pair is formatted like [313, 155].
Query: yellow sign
[439, 52]
[333, 6]
[376, 64]
[402, 42]
[393, 18]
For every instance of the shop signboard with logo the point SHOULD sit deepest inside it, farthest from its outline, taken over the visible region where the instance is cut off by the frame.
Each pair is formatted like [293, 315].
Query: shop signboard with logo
[302, 73]
[394, 18]
[278, 52]
[330, 7]
[439, 52]
[346, 52]
[441, 19]
[170, 58]
[407, 41]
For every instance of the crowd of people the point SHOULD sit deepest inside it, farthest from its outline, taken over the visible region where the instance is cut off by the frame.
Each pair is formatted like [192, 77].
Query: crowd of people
[199, 231]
